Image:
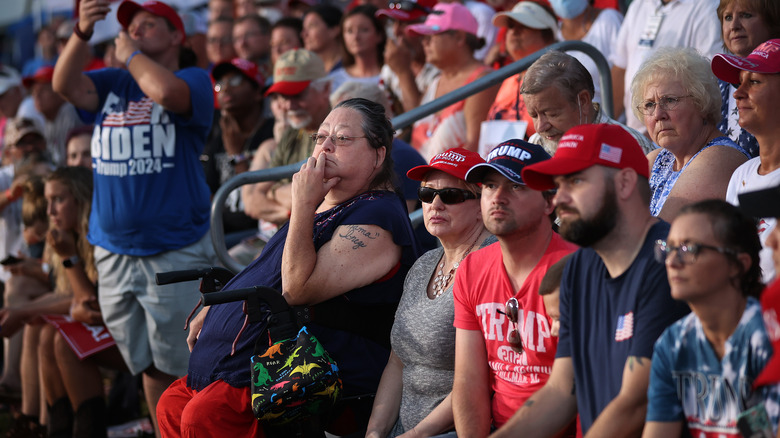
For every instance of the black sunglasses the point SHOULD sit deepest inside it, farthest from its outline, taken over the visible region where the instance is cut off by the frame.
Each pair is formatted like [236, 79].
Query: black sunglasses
[512, 310]
[447, 196]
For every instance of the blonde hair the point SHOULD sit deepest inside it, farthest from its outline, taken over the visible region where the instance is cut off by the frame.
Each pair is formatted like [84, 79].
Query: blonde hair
[34, 203]
[78, 181]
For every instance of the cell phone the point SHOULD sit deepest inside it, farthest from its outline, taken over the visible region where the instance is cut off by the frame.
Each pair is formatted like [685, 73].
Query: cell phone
[754, 423]
[10, 260]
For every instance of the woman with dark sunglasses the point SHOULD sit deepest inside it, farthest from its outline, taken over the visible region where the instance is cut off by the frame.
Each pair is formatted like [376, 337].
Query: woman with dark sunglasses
[414, 395]
[705, 365]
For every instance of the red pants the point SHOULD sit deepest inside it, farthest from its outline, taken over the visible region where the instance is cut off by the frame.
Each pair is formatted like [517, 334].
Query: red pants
[219, 410]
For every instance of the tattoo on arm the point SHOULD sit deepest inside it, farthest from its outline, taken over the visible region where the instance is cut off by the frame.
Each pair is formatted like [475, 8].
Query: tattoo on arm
[528, 403]
[631, 360]
[358, 236]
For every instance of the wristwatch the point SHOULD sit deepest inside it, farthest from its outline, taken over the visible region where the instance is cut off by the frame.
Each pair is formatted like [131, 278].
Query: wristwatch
[239, 158]
[71, 261]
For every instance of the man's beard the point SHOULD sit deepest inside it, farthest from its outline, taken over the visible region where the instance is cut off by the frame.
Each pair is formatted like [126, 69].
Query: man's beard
[587, 232]
[549, 145]
[298, 119]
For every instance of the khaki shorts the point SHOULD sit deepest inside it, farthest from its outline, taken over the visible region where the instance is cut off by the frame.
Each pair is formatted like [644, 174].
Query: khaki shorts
[147, 320]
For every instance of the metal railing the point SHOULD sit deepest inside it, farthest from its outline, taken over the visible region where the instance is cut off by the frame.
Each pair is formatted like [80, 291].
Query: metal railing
[400, 122]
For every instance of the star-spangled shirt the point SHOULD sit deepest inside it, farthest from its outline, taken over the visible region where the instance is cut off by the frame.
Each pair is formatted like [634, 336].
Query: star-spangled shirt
[689, 383]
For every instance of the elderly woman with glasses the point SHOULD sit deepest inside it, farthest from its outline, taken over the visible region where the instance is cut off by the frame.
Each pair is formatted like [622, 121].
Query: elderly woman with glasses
[414, 394]
[346, 248]
[705, 365]
[676, 95]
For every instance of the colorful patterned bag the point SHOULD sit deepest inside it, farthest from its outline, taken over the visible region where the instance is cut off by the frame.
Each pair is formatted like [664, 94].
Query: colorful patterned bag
[293, 379]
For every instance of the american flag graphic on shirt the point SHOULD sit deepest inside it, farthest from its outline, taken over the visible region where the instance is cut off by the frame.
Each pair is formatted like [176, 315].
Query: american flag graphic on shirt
[138, 113]
[625, 327]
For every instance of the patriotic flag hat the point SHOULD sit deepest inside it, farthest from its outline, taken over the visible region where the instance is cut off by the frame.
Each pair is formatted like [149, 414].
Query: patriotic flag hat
[584, 146]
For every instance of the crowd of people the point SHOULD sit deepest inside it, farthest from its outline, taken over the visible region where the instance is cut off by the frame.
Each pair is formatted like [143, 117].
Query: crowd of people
[592, 274]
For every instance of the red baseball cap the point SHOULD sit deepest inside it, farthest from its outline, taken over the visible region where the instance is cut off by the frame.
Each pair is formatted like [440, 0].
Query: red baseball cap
[454, 161]
[43, 75]
[129, 8]
[247, 68]
[584, 146]
[408, 10]
[770, 303]
[764, 59]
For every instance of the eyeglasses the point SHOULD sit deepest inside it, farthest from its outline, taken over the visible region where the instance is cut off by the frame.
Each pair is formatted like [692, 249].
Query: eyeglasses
[409, 6]
[667, 103]
[447, 196]
[233, 81]
[685, 253]
[338, 140]
[513, 337]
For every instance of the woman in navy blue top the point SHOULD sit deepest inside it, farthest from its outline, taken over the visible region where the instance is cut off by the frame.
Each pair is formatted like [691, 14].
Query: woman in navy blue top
[350, 245]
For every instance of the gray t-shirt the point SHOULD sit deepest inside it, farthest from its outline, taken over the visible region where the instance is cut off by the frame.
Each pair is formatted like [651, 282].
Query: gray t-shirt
[423, 337]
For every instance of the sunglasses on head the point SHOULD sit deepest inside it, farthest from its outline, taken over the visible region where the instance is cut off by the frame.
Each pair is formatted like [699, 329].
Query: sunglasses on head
[447, 196]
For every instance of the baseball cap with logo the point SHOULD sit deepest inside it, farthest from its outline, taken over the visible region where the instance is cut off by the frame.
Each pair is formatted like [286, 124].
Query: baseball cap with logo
[584, 146]
[529, 14]
[246, 68]
[16, 129]
[129, 8]
[294, 71]
[764, 59]
[42, 75]
[9, 78]
[509, 159]
[444, 17]
[454, 161]
[408, 10]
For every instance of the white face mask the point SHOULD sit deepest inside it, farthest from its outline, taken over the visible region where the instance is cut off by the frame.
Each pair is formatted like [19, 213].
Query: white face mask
[568, 9]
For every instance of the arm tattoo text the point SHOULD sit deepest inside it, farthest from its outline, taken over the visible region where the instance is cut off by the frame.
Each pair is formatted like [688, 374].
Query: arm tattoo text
[358, 236]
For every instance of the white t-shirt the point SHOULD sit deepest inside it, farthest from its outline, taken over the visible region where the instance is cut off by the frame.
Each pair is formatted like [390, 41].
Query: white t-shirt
[747, 179]
[340, 76]
[686, 23]
[484, 15]
[601, 35]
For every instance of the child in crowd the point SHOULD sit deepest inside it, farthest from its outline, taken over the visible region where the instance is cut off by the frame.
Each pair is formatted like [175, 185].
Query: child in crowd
[550, 289]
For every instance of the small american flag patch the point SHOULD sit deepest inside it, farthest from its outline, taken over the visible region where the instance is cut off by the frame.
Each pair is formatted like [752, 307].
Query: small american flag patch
[610, 153]
[625, 327]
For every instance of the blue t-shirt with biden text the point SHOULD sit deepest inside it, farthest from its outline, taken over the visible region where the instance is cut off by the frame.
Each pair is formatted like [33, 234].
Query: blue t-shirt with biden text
[150, 192]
